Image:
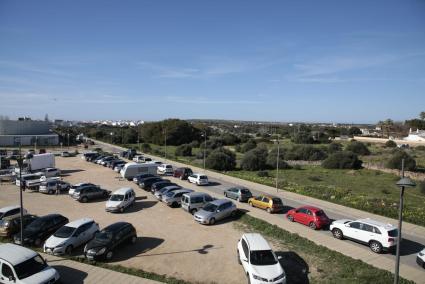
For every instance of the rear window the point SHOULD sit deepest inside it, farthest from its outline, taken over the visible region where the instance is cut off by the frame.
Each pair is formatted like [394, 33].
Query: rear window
[203, 177]
[320, 213]
[277, 201]
[244, 191]
[168, 166]
[393, 233]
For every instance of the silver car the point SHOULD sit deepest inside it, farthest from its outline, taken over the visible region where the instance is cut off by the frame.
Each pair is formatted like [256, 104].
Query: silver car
[50, 186]
[214, 211]
[165, 190]
[174, 198]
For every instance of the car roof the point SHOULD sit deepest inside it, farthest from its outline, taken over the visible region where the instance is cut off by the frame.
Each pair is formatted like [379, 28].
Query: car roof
[372, 222]
[15, 254]
[122, 190]
[116, 226]
[48, 216]
[193, 194]
[82, 183]
[8, 208]
[183, 190]
[268, 196]
[170, 187]
[256, 241]
[220, 201]
[79, 222]
[311, 208]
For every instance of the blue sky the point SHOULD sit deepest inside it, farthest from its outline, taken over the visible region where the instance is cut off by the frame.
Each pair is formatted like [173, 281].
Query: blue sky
[327, 61]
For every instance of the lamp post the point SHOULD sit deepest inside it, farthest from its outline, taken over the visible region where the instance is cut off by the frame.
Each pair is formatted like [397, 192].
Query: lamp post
[20, 163]
[402, 183]
[165, 143]
[205, 145]
[277, 164]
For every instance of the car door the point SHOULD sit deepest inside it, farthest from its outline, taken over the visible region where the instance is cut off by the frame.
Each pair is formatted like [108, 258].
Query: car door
[368, 233]
[300, 215]
[244, 255]
[6, 272]
[265, 202]
[49, 228]
[352, 230]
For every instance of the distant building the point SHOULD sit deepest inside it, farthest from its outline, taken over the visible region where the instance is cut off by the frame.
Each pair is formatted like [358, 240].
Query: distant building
[418, 135]
[26, 132]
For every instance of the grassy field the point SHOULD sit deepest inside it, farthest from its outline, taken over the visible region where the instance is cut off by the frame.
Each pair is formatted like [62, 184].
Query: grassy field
[306, 262]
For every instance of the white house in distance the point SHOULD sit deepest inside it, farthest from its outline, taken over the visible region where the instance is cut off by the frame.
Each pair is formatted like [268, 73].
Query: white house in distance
[418, 136]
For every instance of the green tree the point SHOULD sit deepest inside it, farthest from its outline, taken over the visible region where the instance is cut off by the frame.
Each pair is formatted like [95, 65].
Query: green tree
[422, 115]
[272, 159]
[221, 159]
[184, 150]
[249, 145]
[395, 161]
[390, 144]
[342, 160]
[255, 159]
[334, 147]
[358, 148]
[354, 131]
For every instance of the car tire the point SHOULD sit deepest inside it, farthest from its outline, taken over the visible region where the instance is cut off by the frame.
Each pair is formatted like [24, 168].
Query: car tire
[68, 250]
[37, 242]
[249, 279]
[375, 246]
[50, 192]
[193, 211]
[239, 258]
[225, 194]
[290, 218]
[84, 199]
[121, 209]
[312, 226]
[174, 204]
[109, 255]
[337, 233]
[212, 221]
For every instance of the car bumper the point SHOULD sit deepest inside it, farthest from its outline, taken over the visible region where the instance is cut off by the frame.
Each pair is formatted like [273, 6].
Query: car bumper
[201, 220]
[54, 251]
[255, 281]
[93, 256]
[420, 261]
[113, 209]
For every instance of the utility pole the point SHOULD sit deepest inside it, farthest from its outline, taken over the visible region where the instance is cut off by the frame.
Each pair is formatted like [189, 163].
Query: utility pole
[205, 146]
[20, 162]
[165, 142]
[277, 165]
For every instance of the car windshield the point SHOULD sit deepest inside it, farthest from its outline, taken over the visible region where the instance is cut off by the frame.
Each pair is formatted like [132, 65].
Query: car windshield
[64, 232]
[277, 201]
[393, 233]
[77, 189]
[104, 236]
[210, 207]
[262, 257]
[30, 267]
[203, 177]
[170, 194]
[244, 191]
[117, 197]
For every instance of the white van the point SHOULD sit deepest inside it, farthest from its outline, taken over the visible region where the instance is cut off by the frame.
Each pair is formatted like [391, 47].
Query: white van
[130, 170]
[192, 202]
[120, 200]
[32, 267]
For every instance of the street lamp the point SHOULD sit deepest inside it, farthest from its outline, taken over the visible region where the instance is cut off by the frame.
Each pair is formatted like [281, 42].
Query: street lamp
[165, 142]
[20, 161]
[277, 164]
[402, 183]
[205, 145]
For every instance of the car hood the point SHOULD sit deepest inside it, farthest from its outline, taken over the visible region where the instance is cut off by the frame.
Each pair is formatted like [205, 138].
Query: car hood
[42, 277]
[110, 203]
[96, 244]
[267, 271]
[53, 241]
[204, 214]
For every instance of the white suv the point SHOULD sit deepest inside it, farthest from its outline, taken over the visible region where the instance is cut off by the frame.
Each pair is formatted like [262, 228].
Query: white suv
[165, 169]
[379, 236]
[260, 263]
[198, 179]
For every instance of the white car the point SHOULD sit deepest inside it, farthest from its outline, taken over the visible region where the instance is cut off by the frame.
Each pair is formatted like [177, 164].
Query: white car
[120, 200]
[11, 211]
[420, 258]
[165, 169]
[379, 236]
[70, 236]
[198, 179]
[50, 172]
[260, 263]
[37, 271]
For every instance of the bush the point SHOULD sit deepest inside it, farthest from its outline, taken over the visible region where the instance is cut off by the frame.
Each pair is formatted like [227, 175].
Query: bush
[334, 147]
[194, 144]
[255, 159]
[146, 148]
[271, 159]
[305, 152]
[303, 138]
[315, 178]
[200, 154]
[297, 167]
[238, 148]
[390, 144]
[395, 161]
[422, 187]
[230, 139]
[221, 159]
[249, 145]
[420, 148]
[342, 160]
[263, 173]
[184, 150]
[357, 148]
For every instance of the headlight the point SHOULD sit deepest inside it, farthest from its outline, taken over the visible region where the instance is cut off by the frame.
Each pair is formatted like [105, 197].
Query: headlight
[259, 278]
[101, 251]
[280, 277]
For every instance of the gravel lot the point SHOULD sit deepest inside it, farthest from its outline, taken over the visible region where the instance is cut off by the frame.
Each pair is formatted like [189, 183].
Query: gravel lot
[170, 241]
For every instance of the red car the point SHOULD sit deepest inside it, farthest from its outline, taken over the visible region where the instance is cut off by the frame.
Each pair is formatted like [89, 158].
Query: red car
[310, 216]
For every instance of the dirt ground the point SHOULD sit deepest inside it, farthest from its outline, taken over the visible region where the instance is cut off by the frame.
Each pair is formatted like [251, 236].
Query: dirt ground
[170, 242]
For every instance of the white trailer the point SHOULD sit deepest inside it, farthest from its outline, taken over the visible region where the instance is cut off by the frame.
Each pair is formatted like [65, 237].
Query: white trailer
[130, 170]
[41, 161]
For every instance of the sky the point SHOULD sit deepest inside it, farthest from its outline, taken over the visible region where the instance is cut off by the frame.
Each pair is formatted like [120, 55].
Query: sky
[310, 61]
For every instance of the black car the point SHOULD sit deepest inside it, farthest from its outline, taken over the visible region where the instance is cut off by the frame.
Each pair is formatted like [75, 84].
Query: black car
[160, 184]
[104, 243]
[92, 157]
[40, 229]
[147, 182]
[114, 163]
[138, 178]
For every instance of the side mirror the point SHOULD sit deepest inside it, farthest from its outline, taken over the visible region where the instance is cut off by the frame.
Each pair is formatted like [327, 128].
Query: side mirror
[245, 259]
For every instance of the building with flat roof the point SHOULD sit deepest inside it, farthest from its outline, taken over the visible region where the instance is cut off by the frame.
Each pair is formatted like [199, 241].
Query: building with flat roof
[26, 132]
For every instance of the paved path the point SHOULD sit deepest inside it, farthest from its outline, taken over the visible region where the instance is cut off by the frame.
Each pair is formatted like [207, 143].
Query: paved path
[74, 272]
[413, 235]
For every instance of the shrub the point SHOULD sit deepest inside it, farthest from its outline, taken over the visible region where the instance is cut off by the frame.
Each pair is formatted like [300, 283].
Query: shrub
[249, 145]
[334, 147]
[194, 144]
[385, 191]
[200, 154]
[146, 148]
[221, 159]
[297, 167]
[255, 159]
[390, 144]
[422, 187]
[395, 161]
[342, 160]
[271, 159]
[315, 178]
[358, 148]
[420, 148]
[263, 173]
[303, 138]
[184, 150]
[305, 152]
[238, 148]
[230, 139]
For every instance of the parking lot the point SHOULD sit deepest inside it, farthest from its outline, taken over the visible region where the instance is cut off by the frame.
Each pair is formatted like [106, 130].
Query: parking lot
[170, 242]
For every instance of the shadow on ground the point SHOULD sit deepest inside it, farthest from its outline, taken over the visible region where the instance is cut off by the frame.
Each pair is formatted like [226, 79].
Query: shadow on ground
[202, 250]
[295, 267]
[140, 205]
[70, 275]
[69, 172]
[142, 245]
[408, 247]
[212, 183]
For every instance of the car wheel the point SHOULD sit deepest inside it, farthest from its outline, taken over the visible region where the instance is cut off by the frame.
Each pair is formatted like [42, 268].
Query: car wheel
[212, 221]
[37, 242]
[290, 218]
[122, 209]
[174, 204]
[50, 192]
[337, 233]
[249, 279]
[312, 225]
[109, 255]
[269, 210]
[375, 246]
[193, 211]
[68, 250]
[239, 258]
[84, 199]
[181, 177]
